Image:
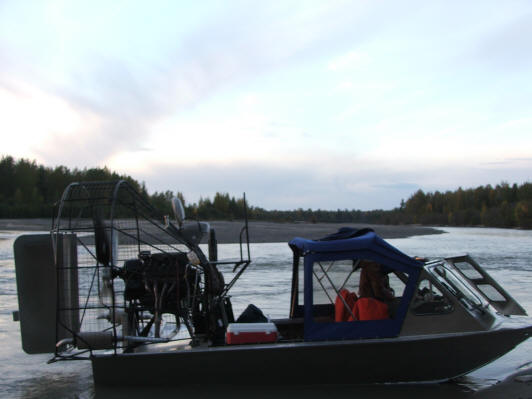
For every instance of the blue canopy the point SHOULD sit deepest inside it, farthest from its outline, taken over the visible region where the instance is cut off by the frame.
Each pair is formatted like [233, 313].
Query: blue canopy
[368, 246]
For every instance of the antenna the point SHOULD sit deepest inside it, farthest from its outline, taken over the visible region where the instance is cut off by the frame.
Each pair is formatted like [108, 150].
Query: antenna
[246, 225]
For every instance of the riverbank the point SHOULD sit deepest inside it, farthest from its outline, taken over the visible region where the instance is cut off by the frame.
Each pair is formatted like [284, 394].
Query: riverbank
[259, 232]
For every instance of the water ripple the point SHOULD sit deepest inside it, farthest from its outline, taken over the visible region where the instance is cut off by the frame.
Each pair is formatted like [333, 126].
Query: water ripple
[266, 283]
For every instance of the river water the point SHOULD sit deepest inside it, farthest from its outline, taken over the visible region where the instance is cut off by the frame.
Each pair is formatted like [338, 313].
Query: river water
[506, 254]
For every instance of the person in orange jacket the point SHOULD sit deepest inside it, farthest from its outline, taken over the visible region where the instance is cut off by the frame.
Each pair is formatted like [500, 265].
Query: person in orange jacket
[374, 293]
[374, 283]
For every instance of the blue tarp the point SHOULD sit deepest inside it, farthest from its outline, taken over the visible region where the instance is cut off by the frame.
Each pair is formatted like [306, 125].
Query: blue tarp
[366, 246]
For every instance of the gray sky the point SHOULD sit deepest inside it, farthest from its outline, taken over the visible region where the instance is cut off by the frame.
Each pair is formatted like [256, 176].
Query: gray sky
[300, 104]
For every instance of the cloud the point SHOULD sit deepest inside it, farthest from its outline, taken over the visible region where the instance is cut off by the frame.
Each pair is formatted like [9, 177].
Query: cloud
[398, 186]
[334, 104]
[509, 162]
[528, 159]
[122, 98]
[331, 183]
[506, 48]
[352, 59]
[495, 163]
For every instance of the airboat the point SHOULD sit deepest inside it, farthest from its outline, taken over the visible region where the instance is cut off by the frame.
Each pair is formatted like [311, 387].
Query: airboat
[131, 290]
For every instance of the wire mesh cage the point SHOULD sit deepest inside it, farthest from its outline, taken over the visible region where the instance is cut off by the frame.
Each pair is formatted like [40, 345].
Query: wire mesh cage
[106, 230]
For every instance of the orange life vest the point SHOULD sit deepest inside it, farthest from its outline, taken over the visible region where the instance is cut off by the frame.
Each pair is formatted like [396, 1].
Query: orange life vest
[369, 309]
[340, 311]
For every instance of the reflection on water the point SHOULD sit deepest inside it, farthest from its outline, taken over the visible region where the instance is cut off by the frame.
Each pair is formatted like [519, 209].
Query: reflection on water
[406, 391]
[55, 385]
[505, 253]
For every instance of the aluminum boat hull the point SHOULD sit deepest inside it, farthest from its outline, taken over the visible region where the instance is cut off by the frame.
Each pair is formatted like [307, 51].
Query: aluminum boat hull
[415, 358]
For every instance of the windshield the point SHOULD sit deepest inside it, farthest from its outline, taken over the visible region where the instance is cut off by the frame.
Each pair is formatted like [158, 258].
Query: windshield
[460, 289]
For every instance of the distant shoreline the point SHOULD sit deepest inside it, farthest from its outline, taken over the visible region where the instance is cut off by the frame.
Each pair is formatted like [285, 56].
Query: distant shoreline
[259, 232]
[262, 232]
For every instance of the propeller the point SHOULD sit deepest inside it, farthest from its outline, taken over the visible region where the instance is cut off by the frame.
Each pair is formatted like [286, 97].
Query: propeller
[101, 242]
[103, 256]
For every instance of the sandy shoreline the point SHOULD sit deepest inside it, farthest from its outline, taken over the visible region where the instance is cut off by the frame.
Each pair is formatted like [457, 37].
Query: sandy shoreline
[259, 232]
[283, 232]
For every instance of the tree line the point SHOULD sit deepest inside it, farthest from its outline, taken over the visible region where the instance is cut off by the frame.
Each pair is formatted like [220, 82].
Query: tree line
[499, 206]
[28, 190]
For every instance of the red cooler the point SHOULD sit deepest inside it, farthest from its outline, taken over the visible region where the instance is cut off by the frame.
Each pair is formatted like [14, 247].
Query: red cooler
[250, 333]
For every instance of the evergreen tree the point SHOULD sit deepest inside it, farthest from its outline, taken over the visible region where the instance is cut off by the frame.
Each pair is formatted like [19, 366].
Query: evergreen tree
[31, 190]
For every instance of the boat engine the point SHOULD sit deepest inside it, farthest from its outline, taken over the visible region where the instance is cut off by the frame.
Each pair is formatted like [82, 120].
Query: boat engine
[161, 283]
